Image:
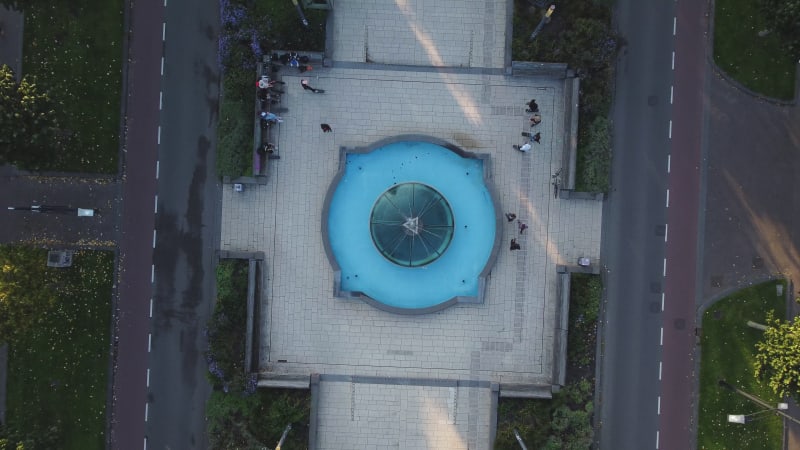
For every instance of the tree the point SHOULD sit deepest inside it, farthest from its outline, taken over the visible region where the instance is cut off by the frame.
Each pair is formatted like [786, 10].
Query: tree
[784, 17]
[778, 356]
[27, 122]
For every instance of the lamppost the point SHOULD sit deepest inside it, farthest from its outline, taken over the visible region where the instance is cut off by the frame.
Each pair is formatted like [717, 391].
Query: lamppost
[545, 19]
[283, 436]
[81, 212]
[745, 418]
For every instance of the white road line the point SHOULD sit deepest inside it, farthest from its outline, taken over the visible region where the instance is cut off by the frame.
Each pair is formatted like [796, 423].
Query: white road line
[155, 203]
[670, 129]
[661, 342]
[667, 198]
[160, 100]
[162, 66]
[164, 31]
[146, 411]
[671, 94]
[165, 3]
[159, 135]
[158, 168]
[659, 405]
[659, 371]
[152, 272]
[669, 163]
[666, 231]
[662, 303]
[673, 60]
[148, 377]
[665, 266]
[151, 307]
[154, 238]
[656, 439]
[674, 25]
[145, 443]
[150, 341]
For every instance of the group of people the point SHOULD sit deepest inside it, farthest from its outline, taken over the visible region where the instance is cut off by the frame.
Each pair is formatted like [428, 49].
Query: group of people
[535, 120]
[522, 227]
[268, 93]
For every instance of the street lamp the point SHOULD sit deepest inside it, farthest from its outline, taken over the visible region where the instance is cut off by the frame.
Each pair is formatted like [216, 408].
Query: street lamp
[746, 418]
[81, 212]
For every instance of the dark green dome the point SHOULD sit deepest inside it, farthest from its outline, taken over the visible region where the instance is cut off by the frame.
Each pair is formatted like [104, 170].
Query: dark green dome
[411, 224]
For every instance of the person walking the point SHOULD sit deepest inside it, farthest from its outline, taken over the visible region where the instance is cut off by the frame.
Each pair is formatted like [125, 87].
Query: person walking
[522, 227]
[308, 87]
[270, 117]
[511, 216]
[325, 128]
[524, 148]
[514, 245]
[537, 138]
[533, 107]
[536, 119]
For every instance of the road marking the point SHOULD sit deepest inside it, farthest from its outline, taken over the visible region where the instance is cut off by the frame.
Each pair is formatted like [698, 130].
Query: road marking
[670, 129]
[662, 336]
[165, 3]
[671, 94]
[666, 231]
[146, 411]
[155, 207]
[151, 307]
[673, 60]
[160, 100]
[162, 66]
[669, 163]
[662, 303]
[656, 439]
[667, 198]
[674, 25]
[159, 135]
[164, 31]
[659, 371]
[152, 272]
[665, 267]
[148, 377]
[150, 341]
[154, 238]
[158, 168]
[659, 405]
[145, 443]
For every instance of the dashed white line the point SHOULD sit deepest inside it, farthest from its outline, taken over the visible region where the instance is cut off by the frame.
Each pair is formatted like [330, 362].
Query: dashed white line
[151, 307]
[667, 198]
[656, 439]
[158, 168]
[150, 341]
[146, 411]
[152, 272]
[159, 135]
[145, 443]
[659, 405]
[670, 129]
[165, 3]
[161, 100]
[666, 231]
[659, 371]
[162, 66]
[661, 341]
[674, 25]
[148, 377]
[673, 60]
[155, 205]
[669, 163]
[164, 31]
[154, 238]
[665, 266]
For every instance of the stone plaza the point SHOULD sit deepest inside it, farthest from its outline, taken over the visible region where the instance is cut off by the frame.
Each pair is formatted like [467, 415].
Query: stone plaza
[384, 380]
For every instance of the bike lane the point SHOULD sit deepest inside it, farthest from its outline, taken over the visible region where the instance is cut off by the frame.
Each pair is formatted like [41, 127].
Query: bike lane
[677, 429]
[140, 151]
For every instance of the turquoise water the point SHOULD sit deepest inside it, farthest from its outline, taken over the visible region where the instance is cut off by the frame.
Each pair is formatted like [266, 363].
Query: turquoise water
[364, 269]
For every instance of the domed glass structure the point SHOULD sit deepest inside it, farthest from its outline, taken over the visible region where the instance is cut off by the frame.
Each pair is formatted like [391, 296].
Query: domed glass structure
[411, 224]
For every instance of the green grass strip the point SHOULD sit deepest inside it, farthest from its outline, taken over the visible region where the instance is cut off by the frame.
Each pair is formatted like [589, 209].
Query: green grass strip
[728, 352]
[74, 49]
[759, 63]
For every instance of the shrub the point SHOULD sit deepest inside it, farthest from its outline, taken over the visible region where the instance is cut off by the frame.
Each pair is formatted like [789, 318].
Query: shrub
[594, 157]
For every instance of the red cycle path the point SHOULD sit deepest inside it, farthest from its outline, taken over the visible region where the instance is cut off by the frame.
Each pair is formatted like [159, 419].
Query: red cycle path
[138, 220]
[678, 377]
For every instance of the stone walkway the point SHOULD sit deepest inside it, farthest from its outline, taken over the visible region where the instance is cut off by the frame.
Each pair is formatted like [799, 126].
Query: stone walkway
[435, 370]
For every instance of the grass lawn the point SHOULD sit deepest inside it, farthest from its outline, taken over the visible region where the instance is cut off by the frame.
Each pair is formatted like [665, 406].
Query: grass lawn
[58, 370]
[728, 352]
[74, 49]
[759, 63]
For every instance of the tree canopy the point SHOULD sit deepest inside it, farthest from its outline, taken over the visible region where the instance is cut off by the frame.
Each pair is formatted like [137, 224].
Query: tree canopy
[27, 121]
[778, 356]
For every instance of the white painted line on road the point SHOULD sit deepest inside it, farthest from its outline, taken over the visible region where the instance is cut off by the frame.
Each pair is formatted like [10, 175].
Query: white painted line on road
[674, 25]
[662, 337]
[145, 443]
[158, 168]
[160, 100]
[659, 371]
[665, 266]
[162, 66]
[150, 341]
[666, 231]
[659, 405]
[146, 411]
[662, 303]
[656, 439]
[165, 3]
[151, 307]
[670, 129]
[669, 163]
[152, 272]
[667, 198]
[671, 94]
[154, 238]
[159, 135]
[673, 60]
[148, 377]
[164, 31]
[155, 207]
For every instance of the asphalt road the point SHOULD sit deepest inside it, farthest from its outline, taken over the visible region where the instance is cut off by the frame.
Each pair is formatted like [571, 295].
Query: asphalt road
[634, 218]
[187, 228]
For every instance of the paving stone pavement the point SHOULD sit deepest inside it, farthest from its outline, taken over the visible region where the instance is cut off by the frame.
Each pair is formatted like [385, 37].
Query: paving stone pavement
[509, 338]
